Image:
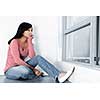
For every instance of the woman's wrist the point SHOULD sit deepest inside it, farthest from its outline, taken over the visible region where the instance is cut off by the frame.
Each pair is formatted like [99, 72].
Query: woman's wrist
[30, 37]
[29, 40]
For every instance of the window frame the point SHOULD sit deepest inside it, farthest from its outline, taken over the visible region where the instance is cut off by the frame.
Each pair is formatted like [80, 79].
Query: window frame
[93, 22]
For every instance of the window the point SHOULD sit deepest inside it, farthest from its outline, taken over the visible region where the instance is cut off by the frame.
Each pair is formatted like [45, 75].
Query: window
[81, 39]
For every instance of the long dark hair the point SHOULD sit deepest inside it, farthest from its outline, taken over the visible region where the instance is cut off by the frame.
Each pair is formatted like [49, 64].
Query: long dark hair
[22, 27]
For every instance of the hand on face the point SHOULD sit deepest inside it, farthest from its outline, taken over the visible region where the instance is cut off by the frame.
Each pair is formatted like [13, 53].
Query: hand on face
[30, 36]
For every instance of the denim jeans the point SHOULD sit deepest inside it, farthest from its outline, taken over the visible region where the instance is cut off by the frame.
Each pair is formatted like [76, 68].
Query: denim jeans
[24, 72]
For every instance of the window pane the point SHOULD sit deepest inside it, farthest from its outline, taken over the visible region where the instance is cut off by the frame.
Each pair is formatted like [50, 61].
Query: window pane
[78, 43]
[72, 20]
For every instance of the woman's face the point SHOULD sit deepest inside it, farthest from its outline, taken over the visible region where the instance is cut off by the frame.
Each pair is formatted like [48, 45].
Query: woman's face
[28, 32]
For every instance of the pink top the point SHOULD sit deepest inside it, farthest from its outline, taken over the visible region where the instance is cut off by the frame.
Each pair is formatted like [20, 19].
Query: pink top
[14, 52]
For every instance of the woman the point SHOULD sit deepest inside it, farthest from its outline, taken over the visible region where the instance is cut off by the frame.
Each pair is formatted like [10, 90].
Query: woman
[22, 60]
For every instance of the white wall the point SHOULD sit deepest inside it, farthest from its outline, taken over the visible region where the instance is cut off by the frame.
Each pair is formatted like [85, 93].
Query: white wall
[46, 35]
[46, 31]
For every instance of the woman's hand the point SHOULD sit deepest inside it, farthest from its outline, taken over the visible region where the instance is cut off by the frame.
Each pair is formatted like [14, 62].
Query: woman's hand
[37, 72]
[30, 37]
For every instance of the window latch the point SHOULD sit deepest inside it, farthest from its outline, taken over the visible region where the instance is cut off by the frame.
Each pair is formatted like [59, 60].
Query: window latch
[96, 58]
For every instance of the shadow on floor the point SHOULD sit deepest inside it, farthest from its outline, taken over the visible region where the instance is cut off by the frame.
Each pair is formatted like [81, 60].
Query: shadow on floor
[45, 79]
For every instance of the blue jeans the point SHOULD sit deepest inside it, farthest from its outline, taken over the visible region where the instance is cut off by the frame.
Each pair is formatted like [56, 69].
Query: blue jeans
[24, 72]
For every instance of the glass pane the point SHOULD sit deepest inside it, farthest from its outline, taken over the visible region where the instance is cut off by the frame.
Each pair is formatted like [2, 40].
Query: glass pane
[78, 43]
[72, 20]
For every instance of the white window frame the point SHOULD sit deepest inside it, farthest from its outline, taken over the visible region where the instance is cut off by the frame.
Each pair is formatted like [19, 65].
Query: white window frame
[92, 21]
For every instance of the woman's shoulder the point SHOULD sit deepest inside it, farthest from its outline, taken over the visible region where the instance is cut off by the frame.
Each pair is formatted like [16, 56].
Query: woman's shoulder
[14, 41]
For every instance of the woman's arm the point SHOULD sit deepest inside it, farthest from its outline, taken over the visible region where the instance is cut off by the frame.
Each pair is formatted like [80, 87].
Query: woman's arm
[16, 55]
[31, 47]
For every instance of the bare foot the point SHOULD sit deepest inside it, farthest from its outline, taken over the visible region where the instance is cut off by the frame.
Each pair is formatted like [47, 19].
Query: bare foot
[37, 72]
